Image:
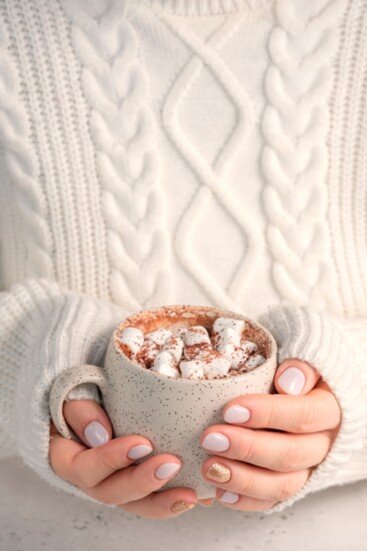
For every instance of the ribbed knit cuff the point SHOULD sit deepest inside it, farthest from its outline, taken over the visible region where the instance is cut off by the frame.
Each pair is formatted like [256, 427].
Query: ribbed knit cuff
[46, 330]
[319, 340]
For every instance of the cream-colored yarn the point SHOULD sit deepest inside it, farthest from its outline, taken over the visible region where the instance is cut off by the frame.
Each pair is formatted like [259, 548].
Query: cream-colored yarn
[182, 151]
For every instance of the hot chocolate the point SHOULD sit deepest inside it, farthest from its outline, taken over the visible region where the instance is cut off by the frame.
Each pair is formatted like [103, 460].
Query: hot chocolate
[226, 348]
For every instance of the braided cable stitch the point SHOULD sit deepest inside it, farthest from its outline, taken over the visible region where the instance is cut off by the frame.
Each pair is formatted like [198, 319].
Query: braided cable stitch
[122, 126]
[294, 159]
[22, 163]
[212, 176]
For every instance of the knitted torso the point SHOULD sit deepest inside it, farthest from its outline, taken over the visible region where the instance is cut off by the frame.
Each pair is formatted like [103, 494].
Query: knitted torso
[182, 152]
[186, 152]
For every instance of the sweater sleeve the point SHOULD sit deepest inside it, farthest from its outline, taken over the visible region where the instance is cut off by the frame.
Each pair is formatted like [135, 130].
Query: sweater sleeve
[337, 348]
[45, 329]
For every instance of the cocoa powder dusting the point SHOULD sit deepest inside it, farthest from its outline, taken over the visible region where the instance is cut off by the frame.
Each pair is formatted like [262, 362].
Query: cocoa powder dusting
[183, 317]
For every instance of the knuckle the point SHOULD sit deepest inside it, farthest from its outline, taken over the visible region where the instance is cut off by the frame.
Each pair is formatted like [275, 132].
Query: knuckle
[307, 416]
[292, 458]
[249, 447]
[141, 485]
[109, 458]
[247, 488]
[271, 415]
[286, 489]
[84, 480]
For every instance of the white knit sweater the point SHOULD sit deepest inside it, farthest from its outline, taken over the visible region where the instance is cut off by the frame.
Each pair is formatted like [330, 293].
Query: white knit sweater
[182, 152]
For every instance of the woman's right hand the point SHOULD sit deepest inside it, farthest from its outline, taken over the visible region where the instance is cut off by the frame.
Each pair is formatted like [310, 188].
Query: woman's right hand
[106, 473]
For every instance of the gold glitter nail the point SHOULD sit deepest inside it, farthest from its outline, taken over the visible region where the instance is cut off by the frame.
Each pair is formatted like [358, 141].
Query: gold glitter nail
[219, 473]
[182, 506]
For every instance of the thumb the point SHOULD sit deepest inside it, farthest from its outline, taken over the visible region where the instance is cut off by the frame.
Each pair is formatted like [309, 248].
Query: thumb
[296, 377]
[89, 422]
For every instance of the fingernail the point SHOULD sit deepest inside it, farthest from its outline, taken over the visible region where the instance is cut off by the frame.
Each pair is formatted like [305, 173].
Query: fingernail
[229, 497]
[237, 414]
[181, 506]
[219, 472]
[166, 470]
[292, 380]
[216, 442]
[139, 451]
[95, 434]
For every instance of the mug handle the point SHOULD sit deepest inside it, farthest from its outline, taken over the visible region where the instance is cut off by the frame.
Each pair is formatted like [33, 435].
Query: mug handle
[64, 383]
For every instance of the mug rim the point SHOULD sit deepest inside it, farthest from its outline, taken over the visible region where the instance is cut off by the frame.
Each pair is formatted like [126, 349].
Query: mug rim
[206, 309]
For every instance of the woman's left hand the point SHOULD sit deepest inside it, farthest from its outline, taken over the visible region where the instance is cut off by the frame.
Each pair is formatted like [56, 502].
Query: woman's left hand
[294, 433]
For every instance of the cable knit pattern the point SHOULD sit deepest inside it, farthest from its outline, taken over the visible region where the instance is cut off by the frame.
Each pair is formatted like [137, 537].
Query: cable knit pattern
[252, 122]
[204, 7]
[21, 162]
[123, 129]
[294, 159]
[212, 178]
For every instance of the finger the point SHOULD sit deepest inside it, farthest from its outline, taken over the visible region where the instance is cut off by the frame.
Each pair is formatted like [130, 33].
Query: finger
[136, 481]
[317, 411]
[281, 452]
[206, 502]
[295, 377]
[84, 466]
[253, 481]
[162, 505]
[89, 421]
[243, 503]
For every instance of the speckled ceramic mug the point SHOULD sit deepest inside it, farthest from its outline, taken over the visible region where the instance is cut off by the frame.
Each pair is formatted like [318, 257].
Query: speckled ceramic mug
[171, 412]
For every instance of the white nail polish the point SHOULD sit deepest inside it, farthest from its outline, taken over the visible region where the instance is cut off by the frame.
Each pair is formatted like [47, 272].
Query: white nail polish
[166, 470]
[216, 442]
[139, 451]
[229, 497]
[237, 414]
[95, 434]
[292, 380]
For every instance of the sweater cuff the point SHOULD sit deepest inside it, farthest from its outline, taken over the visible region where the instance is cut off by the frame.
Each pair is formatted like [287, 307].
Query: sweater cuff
[47, 329]
[321, 341]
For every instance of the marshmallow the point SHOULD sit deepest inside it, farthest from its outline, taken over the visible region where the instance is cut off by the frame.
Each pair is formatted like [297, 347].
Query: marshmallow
[174, 345]
[159, 336]
[254, 361]
[217, 366]
[224, 323]
[180, 332]
[165, 365]
[238, 359]
[166, 370]
[192, 369]
[196, 351]
[192, 352]
[197, 335]
[227, 341]
[131, 340]
[202, 352]
[147, 353]
[249, 347]
[242, 353]
[213, 362]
